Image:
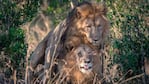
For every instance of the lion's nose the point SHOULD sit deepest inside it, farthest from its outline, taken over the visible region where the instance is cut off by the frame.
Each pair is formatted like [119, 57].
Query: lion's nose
[95, 38]
[87, 61]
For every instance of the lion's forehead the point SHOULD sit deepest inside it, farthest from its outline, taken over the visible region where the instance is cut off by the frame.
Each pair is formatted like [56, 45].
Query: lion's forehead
[93, 21]
[86, 50]
[90, 21]
[85, 47]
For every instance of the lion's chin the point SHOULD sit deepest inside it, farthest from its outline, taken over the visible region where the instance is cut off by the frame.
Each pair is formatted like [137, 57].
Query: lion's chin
[86, 69]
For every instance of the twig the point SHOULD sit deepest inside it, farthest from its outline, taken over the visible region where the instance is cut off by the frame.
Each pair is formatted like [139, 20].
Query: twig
[39, 77]
[73, 3]
[14, 76]
[94, 81]
[27, 67]
[131, 78]
[124, 75]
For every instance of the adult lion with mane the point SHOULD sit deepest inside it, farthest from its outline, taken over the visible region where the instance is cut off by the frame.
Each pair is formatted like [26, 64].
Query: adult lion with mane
[81, 66]
[85, 24]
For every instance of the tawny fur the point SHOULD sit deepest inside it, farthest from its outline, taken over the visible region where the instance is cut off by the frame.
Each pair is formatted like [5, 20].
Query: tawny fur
[72, 71]
[85, 24]
[86, 15]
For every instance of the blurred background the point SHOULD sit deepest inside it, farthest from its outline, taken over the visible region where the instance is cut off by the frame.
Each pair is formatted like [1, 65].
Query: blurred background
[24, 23]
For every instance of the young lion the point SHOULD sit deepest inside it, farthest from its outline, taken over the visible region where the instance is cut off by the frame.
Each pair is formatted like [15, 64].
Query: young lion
[82, 65]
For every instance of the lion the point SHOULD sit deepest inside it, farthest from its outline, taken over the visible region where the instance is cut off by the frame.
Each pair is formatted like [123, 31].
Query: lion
[85, 24]
[81, 65]
[88, 25]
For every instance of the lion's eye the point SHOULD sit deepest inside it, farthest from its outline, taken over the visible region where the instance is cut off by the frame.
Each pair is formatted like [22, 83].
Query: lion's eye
[80, 54]
[89, 26]
[99, 25]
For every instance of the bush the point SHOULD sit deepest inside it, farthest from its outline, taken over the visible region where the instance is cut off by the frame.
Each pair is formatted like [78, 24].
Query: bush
[13, 47]
[129, 33]
[15, 50]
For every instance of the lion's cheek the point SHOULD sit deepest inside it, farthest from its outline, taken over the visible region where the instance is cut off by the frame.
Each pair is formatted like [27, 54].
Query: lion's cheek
[87, 37]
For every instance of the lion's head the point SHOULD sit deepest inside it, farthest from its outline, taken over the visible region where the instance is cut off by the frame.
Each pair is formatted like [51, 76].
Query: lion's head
[82, 64]
[88, 22]
[84, 58]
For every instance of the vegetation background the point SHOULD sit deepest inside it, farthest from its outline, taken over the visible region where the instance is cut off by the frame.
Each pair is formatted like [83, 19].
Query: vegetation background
[129, 34]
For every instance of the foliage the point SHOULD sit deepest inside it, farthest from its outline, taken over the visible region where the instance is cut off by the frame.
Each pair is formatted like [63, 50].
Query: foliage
[58, 10]
[15, 49]
[129, 33]
[13, 14]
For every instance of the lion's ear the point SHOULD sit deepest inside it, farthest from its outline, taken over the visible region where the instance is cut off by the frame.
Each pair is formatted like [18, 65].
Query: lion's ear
[101, 8]
[82, 11]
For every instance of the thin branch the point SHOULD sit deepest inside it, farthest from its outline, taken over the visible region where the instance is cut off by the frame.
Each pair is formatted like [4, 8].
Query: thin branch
[131, 78]
[73, 3]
